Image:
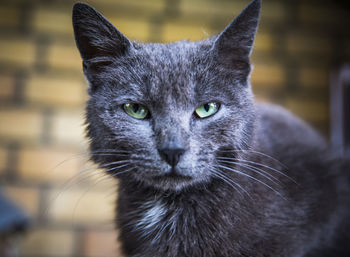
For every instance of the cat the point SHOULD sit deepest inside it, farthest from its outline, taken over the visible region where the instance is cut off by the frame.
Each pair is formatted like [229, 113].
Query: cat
[203, 169]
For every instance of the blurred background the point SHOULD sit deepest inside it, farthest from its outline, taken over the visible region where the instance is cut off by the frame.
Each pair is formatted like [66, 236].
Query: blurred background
[43, 153]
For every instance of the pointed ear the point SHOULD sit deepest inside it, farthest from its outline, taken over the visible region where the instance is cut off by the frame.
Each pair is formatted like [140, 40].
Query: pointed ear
[236, 41]
[95, 37]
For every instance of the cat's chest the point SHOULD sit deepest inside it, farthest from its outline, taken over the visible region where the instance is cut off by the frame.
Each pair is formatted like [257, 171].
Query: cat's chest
[161, 229]
[196, 225]
[156, 220]
[176, 227]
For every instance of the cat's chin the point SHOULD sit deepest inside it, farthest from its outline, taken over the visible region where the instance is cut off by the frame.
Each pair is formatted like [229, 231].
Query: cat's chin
[173, 178]
[170, 182]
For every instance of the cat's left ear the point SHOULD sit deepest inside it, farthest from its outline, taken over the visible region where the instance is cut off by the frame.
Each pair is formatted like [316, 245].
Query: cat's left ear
[95, 37]
[235, 43]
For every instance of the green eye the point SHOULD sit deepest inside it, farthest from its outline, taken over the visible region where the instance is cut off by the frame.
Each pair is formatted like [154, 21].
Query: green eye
[207, 110]
[136, 111]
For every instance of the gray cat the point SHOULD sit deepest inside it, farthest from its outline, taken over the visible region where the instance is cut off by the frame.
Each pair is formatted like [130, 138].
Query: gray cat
[204, 171]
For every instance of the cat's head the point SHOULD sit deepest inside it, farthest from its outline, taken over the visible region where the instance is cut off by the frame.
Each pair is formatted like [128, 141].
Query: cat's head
[160, 114]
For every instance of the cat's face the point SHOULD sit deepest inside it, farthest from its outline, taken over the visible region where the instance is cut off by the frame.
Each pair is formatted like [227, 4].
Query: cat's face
[160, 114]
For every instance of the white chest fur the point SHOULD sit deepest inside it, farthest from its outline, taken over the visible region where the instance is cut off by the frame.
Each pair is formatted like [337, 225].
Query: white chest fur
[156, 220]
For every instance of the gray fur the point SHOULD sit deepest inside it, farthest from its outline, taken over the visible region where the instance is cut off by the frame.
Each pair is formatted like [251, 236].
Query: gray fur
[253, 180]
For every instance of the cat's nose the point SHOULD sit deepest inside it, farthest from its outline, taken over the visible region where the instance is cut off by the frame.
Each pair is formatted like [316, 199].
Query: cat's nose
[171, 154]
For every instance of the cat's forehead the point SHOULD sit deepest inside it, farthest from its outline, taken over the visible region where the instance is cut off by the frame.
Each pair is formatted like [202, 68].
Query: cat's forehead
[173, 57]
[173, 70]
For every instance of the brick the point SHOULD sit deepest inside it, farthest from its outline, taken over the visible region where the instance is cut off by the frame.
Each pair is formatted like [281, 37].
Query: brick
[229, 9]
[302, 43]
[26, 197]
[50, 21]
[48, 164]
[263, 42]
[68, 128]
[53, 21]
[268, 75]
[20, 124]
[262, 96]
[180, 31]
[101, 244]
[273, 10]
[311, 111]
[91, 175]
[324, 14]
[154, 5]
[42, 242]
[59, 91]
[17, 51]
[9, 16]
[94, 174]
[131, 28]
[64, 57]
[82, 206]
[313, 77]
[7, 85]
[209, 8]
[268, 94]
[3, 159]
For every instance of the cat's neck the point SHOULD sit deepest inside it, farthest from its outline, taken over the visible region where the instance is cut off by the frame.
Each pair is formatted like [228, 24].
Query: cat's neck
[216, 188]
[146, 207]
[176, 220]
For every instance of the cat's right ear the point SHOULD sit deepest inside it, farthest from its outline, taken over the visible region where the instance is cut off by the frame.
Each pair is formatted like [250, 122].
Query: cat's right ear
[234, 45]
[96, 38]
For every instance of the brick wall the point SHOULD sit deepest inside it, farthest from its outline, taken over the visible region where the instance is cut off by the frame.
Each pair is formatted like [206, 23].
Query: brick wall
[43, 161]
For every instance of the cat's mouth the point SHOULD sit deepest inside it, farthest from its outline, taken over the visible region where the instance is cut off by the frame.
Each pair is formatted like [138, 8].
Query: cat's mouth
[172, 176]
[173, 179]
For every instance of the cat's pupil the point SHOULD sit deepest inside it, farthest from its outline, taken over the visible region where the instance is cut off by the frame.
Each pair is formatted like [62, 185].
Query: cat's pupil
[135, 107]
[206, 107]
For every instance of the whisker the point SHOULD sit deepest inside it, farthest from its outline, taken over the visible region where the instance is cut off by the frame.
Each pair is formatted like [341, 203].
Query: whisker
[261, 172]
[76, 179]
[251, 177]
[114, 162]
[122, 172]
[110, 151]
[72, 182]
[85, 154]
[259, 164]
[108, 154]
[75, 156]
[102, 166]
[256, 152]
[230, 182]
[116, 168]
[84, 193]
